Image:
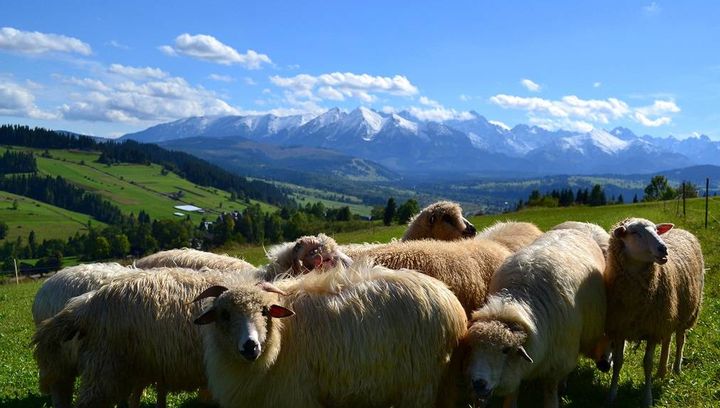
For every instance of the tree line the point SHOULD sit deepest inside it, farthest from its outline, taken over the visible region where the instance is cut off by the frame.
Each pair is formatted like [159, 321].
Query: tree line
[17, 162]
[187, 166]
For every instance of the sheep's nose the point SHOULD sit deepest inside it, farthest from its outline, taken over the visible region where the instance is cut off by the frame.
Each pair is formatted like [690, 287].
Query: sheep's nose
[250, 350]
[481, 388]
[470, 230]
[662, 249]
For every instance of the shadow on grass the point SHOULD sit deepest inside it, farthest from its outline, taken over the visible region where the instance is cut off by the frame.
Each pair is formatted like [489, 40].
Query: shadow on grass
[30, 401]
[586, 388]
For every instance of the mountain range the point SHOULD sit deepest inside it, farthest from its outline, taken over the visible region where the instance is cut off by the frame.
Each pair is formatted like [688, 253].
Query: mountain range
[401, 144]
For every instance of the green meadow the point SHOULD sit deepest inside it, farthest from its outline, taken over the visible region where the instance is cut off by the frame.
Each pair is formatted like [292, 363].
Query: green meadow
[698, 386]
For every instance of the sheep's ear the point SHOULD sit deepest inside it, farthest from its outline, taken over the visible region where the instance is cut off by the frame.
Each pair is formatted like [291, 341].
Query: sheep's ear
[524, 354]
[269, 287]
[207, 317]
[663, 228]
[620, 231]
[212, 291]
[279, 312]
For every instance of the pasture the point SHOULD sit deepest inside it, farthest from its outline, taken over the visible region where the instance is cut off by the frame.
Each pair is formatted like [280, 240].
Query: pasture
[698, 386]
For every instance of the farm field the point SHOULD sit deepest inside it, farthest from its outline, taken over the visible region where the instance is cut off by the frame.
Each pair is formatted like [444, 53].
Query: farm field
[698, 386]
[46, 220]
[135, 187]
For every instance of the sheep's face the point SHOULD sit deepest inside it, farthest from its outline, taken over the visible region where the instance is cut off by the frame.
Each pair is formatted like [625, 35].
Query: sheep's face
[317, 252]
[642, 240]
[446, 223]
[496, 359]
[243, 318]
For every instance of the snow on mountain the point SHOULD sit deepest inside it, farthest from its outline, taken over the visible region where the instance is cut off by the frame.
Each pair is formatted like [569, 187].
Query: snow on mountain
[402, 142]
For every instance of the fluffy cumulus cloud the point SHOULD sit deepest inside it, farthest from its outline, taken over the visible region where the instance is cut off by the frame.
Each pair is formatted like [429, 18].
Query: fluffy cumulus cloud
[530, 85]
[339, 86]
[137, 98]
[208, 48]
[137, 72]
[33, 42]
[17, 100]
[656, 114]
[573, 113]
[438, 113]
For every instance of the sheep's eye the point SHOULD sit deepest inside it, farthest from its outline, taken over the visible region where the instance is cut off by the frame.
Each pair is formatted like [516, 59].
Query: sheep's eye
[265, 311]
[225, 315]
[506, 350]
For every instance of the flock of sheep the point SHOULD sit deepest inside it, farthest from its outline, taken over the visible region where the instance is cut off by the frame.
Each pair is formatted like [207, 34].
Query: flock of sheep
[444, 317]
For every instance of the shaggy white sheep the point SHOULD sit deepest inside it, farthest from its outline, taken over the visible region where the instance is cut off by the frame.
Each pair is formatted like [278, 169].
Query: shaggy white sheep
[302, 256]
[365, 336]
[655, 276]
[596, 232]
[512, 234]
[193, 259]
[132, 332]
[442, 220]
[546, 305]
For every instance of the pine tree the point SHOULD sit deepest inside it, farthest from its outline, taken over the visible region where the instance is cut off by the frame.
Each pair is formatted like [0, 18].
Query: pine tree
[390, 210]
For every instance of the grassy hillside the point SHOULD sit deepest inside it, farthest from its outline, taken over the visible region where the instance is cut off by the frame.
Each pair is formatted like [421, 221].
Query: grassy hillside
[134, 187]
[46, 220]
[698, 386]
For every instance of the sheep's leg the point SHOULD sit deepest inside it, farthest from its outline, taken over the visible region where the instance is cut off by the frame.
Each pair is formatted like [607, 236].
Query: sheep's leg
[647, 365]
[61, 393]
[664, 356]
[618, 356]
[511, 400]
[550, 394]
[679, 346]
[161, 396]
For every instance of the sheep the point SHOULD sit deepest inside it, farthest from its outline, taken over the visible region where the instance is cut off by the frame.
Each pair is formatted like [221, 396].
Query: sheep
[442, 220]
[193, 259]
[546, 305]
[466, 266]
[655, 277]
[362, 336]
[596, 232]
[513, 234]
[134, 331]
[303, 255]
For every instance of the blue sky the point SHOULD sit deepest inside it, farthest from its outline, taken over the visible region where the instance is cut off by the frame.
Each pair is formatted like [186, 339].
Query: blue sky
[108, 69]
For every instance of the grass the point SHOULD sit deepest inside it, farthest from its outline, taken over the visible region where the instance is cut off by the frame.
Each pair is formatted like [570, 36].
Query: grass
[46, 220]
[698, 386]
[135, 187]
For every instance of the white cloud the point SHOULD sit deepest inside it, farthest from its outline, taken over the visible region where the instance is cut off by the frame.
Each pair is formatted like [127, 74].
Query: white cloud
[464, 97]
[571, 112]
[208, 48]
[118, 45]
[438, 113]
[652, 8]
[221, 78]
[137, 72]
[424, 100]
[249, 81]
[659, 110]
[530, 85]
[597, 84]
[144, 99]
[499, 124]
[16, 100]
[338, 86]
[33, 42]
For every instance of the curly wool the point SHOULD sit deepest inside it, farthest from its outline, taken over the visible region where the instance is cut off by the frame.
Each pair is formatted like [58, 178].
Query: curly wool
[193, 259]
[442, 220]
[595, 231]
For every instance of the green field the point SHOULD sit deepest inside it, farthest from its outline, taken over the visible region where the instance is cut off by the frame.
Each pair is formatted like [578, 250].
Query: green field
[698, 386]
[46, 220]
[134, 187]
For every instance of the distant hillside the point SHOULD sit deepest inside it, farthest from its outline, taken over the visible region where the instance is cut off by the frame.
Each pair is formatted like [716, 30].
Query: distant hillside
[284, 163]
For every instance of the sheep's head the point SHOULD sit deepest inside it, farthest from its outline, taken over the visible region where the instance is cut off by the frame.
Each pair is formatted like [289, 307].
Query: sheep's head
[495, 353]
[442, 221]
[315, 252]
[242, 317]
[641, 240]
[602, 354]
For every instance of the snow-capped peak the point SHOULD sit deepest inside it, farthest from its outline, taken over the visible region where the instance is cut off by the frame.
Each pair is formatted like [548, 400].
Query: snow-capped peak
[403, 123]
[362, 117]
[607, 142]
